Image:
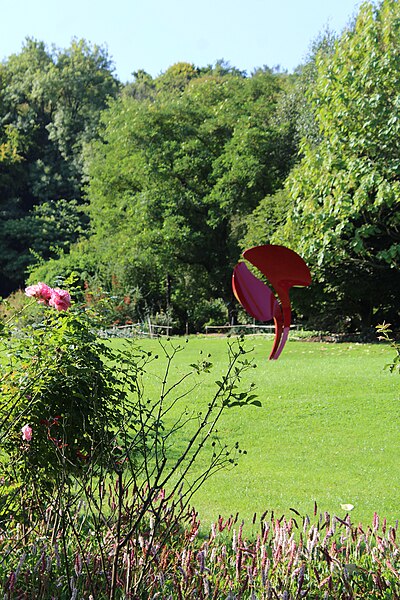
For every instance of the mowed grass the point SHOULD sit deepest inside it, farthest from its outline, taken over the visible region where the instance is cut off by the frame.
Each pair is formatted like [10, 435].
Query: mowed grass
[327, 432]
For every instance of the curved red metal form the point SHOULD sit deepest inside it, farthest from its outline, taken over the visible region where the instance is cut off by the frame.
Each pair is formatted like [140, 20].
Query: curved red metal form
[255, 297]
[283, 269]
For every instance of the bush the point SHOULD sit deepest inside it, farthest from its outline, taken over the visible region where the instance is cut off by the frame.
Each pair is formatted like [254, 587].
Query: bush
[210, 312]
[66, 386]
[87, 459]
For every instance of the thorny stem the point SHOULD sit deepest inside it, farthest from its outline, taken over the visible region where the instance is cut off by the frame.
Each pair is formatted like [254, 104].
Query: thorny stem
[157, 484]
[118, 536]
[78, 539]
[64, 546]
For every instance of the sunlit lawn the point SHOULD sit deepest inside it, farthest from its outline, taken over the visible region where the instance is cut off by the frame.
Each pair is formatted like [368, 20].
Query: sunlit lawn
[328, 430]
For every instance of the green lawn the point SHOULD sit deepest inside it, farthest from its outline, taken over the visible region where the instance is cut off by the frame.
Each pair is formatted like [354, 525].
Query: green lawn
[327, 430]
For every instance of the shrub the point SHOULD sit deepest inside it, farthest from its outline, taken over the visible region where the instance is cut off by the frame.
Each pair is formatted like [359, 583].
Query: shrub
[63, 383]
[86, 456]
[210, 312]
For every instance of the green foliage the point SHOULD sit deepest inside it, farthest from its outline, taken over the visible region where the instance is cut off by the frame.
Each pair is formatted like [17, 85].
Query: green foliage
[177, 77]
[78, 426]
[142, 87]
[295, 115]
[184, 170]
[50, 105]
[54, 226]
[59, 378]
[210, 312]
[344, 217]
[47, 231]
[172, 179]
[303, 110]
[262, 223]
[9, 146]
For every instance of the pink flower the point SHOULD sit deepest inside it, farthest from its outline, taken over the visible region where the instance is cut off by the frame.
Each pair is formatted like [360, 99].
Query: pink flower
[60, 299]
[41, 291]
[26, 433]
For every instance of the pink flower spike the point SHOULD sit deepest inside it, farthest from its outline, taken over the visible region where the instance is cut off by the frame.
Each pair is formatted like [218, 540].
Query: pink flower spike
[40, 291]
[60, 299]
[26, 433]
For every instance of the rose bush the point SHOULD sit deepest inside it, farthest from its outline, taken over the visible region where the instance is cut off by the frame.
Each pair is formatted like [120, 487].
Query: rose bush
[88, 456]
[64, 390]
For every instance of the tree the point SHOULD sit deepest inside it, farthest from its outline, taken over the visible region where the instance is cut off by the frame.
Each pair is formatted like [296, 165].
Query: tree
[171, 180]
[81, 82]
[50, 104]
[345, 193]
[142, 87]
[177, 77]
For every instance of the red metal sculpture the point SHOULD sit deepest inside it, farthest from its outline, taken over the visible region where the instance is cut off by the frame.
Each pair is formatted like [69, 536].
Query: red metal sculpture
[284, 269]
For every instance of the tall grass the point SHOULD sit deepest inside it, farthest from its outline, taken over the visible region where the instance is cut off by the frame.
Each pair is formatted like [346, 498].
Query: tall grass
[288, 558]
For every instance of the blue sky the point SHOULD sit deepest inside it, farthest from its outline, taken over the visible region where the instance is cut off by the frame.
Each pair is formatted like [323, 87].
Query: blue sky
[154, 34]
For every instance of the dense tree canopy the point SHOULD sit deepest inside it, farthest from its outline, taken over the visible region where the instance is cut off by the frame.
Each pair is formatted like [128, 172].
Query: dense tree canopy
[181, 172]
[345, 193]
[172, 178]
[50, 103]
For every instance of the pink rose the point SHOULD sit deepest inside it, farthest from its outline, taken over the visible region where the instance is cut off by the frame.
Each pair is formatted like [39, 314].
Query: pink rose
[60, 299]
[26, 433]
[41, 291]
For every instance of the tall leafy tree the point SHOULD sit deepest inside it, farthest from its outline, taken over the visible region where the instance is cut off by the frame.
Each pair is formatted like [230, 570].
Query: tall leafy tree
[80, 84]
[345, 193]
[50, 104]
[172, 179]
